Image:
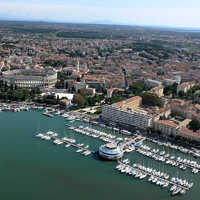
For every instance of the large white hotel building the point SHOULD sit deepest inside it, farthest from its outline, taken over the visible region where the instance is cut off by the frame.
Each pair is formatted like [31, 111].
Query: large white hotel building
[128, 113]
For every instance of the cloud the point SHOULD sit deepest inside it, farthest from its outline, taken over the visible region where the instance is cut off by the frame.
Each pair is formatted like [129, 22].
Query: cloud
[64, 12]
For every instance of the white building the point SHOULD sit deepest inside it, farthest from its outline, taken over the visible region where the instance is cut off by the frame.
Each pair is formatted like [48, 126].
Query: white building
[81, 85]
[166, 127]
[133, 117]
[169, 82]
[184, 87]
[152, 83]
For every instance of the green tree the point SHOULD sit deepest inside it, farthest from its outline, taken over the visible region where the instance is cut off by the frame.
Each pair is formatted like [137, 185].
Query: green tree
[136, 88]
[194, 125]
[79, 100]
[149, 99]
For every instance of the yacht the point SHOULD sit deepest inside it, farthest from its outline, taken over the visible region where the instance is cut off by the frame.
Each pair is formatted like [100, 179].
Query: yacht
[67, 145]
[176, 191]
[183, 191]
[79, 150]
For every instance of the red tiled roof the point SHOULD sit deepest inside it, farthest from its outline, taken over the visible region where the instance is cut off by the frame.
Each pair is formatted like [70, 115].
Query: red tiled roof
[161, 110]
[188, 132]
[167, 123]
[192, 112]
[197, 106]
[130, 100]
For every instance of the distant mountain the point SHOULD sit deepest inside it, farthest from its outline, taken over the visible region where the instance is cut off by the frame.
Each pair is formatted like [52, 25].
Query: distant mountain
[106, 21]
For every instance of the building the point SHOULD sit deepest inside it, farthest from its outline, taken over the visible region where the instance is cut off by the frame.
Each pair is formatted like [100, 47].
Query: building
[178, 79]
[169, 82]
[184, 87]
[162, 113]
[189, 135]
[184, 109]
[152, 83]
[80, 85]
[166, 127]
[127, 113]
[110, 151]
[30, 78]
[158, 91]
[131, 103]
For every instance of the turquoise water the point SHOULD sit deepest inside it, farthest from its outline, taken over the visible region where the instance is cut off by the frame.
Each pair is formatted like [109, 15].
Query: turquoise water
[35, 169]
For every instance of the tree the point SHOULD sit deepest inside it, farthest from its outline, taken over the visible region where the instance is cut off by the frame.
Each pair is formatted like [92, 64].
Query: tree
[194, 125]
[170, 89]
[181, 94]
[79, 100]
[136, 88]
[149, 99]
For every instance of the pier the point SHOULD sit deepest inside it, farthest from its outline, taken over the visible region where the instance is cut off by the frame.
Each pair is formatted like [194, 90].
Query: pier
[63, 141]
[153, 155]
[77, 146]
[156, 176]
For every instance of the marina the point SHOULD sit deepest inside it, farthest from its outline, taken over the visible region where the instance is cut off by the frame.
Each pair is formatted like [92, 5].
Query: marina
[194, 152]
[67, 146]
[69, 142]
[157, 177]
[182, 163]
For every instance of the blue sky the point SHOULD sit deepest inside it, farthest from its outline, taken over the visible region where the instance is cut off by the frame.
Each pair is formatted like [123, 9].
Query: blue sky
[141, 12]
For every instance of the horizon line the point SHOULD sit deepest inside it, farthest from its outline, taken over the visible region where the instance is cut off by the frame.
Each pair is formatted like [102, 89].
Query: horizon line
[111, 23]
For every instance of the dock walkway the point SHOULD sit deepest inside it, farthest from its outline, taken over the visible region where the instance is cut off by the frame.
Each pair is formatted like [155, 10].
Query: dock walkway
[150, 174]
[72, 144]
[168, 159]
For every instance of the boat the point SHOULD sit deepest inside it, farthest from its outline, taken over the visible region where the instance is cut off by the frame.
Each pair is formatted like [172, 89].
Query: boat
[173, 188]
[67, 145]
[79, 150]
[176, 191]
[183, 191]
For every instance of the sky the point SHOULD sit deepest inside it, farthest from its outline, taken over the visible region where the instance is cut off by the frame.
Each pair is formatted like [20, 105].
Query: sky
[181, 13]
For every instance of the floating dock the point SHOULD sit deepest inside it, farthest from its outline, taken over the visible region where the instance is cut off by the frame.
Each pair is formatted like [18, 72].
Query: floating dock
[151, 174]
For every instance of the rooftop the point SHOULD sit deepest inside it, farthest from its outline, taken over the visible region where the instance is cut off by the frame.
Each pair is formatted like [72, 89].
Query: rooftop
[167, 123]
[128, 101]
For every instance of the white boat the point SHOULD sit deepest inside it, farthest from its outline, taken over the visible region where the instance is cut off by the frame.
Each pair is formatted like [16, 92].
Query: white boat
[67, 145]
[39, 135]
[79, 150]
[176, 191]
[173, 188]
[183, 191]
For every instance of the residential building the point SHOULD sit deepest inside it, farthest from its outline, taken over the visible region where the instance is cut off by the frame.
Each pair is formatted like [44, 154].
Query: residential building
[166, 127]
[158, 91]
[184, 87]
[81, 85]
[189, 135]
[152, 83]
[169, 82]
